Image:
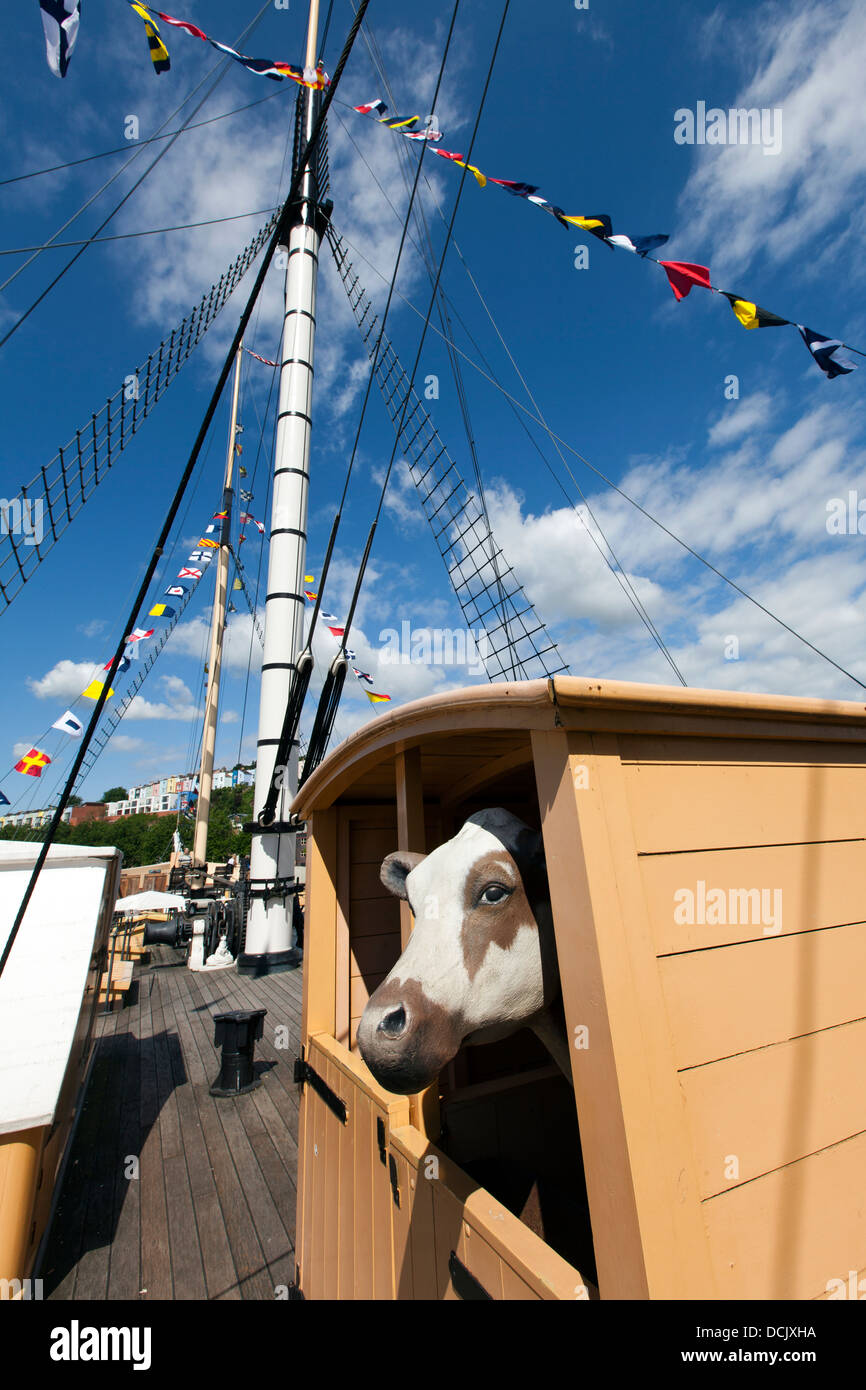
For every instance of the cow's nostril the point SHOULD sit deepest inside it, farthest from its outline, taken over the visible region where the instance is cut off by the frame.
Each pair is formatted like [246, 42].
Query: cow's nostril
[393, 1023]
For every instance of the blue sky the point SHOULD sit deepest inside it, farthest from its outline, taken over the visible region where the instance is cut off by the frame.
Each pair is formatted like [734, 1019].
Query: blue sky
[581, 103]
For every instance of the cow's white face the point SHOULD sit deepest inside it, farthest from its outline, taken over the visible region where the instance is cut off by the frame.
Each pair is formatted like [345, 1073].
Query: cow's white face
[481, 959]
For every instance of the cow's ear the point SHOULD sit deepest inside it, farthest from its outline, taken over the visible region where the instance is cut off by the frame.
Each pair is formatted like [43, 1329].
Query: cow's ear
[396, 869]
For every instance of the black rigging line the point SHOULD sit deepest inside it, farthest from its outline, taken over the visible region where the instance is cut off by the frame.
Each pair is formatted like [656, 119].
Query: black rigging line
[124, 236]
[330, 697]
[427, 317]
[374, 363]
[138, 150]
[428, 257]
[611, 559]
[63, 761]
[557, 439]
[150, 140]
[279, 234]
[330, 694]
[327, 27]
[220, 74]
[609, 556]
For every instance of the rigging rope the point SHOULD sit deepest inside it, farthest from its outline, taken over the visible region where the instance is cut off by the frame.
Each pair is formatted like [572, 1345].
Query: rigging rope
[59, 764]
[427, 255]
[220, 74]
[280, 231]
[330, 694]
[610, 559]
[68, 481]
[150, 140]
[451, 509]
[569, 448]
[148, 231]
[426, 324]
[330, 697]
[239, 571]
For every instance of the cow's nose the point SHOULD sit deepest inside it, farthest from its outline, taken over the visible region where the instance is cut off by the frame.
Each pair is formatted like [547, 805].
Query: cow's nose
[393, 1023]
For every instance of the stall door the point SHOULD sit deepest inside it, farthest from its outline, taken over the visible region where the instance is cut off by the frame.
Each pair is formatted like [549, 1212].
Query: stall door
[384, 1214]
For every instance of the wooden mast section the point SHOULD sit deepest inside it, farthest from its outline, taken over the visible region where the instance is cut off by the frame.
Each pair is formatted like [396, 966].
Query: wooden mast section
[217, 630]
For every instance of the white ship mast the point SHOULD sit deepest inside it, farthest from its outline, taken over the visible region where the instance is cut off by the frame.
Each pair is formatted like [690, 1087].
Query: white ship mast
[269, 936]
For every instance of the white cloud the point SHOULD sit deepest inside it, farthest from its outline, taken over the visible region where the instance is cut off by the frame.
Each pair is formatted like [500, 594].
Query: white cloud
[556, 543]
[93, 628]
[178, 705]
[741, 418]
[759, 513]
[191, 638]
[739, 202]
[64, 681]
[237, 165]
[401, 496]
[123, 743]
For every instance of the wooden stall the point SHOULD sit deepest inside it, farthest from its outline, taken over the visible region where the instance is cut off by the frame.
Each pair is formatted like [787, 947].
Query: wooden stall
[705, 855]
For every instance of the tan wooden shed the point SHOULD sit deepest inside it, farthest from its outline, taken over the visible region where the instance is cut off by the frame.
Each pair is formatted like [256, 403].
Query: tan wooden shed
[705, 853]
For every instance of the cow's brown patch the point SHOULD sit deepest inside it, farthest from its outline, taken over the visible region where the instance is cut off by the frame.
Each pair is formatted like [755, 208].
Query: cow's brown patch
[409, 1062]
[486, 924]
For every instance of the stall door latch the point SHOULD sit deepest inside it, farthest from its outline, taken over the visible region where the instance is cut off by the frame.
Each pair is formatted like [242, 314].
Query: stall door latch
[387, 1160]
[305, 1075]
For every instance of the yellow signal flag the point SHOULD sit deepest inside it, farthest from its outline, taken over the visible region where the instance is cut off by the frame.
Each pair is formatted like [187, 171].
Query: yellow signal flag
[376, 699]
[94, 690]
[157, 49]
[752, 315]
[237, 584]
[308, 579]
[480, 179]
[587, 222]
[208, 544]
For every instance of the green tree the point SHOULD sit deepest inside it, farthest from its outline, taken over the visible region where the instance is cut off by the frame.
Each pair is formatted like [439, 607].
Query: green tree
[115, 794]
[147, 839]
[227, 805]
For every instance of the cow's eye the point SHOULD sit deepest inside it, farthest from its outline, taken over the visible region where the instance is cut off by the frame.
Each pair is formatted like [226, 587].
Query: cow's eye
[494, 893]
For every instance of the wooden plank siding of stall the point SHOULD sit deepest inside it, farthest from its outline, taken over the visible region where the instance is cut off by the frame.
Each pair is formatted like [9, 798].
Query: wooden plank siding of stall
[772, 1069]
[735, 1049]
[347, 1248]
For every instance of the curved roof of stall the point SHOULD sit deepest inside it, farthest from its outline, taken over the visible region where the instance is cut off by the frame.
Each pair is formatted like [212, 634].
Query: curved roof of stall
[504, 713]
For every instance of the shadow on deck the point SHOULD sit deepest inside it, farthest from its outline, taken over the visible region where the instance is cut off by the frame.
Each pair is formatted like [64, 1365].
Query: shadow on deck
[211, 1212]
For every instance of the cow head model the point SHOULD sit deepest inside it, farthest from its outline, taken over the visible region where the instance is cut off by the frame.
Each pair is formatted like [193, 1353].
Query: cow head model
[481, 961]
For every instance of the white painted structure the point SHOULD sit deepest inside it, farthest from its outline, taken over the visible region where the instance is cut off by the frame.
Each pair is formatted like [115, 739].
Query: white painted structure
[269, 925]
[42, 986]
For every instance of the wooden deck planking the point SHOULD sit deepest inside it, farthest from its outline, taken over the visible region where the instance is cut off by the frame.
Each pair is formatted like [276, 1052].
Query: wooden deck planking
[212, 1211]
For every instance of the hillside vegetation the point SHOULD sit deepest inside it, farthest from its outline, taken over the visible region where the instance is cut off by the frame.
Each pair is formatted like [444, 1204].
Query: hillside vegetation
[147, 839]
